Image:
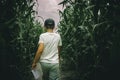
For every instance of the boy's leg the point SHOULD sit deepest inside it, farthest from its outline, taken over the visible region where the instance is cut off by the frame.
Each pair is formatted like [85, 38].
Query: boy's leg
[54, 72]
[45, 69]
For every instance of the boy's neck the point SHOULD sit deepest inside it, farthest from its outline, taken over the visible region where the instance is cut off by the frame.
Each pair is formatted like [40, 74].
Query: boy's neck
[50, 30]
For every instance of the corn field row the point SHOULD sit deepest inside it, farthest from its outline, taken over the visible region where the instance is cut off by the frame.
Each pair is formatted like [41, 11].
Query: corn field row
[90, 34]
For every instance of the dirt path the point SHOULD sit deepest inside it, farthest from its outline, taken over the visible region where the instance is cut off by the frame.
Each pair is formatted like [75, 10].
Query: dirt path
[68, 75]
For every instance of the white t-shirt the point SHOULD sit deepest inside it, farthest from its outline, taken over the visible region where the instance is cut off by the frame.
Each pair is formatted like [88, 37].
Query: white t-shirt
[51, 42]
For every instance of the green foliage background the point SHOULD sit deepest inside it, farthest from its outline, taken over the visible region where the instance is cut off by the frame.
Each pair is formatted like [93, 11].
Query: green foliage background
[90, 33]
[19, 35]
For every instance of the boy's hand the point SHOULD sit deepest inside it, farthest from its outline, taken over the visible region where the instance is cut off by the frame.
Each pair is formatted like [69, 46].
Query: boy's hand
[33, 65]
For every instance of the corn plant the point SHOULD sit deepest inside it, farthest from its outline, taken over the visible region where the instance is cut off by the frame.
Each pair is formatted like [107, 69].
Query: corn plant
[85, 26]
[19, 36]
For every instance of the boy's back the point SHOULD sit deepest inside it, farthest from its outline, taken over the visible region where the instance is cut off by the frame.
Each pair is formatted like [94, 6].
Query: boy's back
[51, 42]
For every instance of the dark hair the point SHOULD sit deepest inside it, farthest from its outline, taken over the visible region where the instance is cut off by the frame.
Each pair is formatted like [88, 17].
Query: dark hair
[49, 23]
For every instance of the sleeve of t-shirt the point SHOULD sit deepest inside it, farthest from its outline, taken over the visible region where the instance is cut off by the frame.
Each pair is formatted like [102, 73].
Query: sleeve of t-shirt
[41, 39]
[60, 42]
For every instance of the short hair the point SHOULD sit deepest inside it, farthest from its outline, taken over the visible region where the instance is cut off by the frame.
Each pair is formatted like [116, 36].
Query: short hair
[49, 23]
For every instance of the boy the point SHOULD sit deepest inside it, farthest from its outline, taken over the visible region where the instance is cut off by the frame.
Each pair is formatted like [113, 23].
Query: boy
[48, 52]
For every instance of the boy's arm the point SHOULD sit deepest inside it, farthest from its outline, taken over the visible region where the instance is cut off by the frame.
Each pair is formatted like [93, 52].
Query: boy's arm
[59, 49]
[38, 54]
